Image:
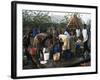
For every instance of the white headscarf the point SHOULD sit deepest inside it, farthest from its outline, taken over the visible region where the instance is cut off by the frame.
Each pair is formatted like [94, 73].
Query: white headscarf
[67, 34]
[78, 32]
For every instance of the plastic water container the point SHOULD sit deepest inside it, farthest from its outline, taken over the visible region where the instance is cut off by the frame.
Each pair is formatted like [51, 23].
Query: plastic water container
[46, 56]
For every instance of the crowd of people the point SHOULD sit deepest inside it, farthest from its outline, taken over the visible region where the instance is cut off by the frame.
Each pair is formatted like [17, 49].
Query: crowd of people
[64, 45]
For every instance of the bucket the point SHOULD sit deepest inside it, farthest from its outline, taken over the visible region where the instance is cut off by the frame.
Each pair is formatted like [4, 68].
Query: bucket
[46, 56]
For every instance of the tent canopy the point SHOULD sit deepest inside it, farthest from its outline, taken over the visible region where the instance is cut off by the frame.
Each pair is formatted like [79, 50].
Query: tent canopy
[74, 22]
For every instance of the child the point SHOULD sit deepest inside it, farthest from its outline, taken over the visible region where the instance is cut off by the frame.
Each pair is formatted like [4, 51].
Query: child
[79, 47]
[56, 51]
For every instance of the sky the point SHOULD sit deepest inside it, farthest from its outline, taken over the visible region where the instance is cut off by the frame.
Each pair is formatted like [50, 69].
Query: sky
[57, 16]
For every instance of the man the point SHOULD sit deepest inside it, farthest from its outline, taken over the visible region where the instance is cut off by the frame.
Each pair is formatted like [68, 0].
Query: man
[85, 39]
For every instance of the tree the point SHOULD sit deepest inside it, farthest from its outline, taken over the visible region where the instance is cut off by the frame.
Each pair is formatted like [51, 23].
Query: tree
[64, 21]
[35, 18]
[27, 17]
[41, 19]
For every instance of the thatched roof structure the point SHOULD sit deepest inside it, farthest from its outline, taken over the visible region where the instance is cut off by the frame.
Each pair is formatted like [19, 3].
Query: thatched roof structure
[74, 22]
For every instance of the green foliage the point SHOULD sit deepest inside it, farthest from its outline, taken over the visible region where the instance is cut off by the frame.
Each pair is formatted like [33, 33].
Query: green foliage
[35, 18]
[41, 20]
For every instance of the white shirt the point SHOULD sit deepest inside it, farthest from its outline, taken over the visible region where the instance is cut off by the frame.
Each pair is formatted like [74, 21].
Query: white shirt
[85, 35]
[78, 32]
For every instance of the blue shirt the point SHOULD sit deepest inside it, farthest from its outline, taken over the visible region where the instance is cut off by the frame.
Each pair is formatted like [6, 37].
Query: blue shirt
[35, 32]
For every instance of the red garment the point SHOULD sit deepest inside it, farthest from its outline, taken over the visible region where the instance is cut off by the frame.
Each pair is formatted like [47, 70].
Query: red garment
[32, 51]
